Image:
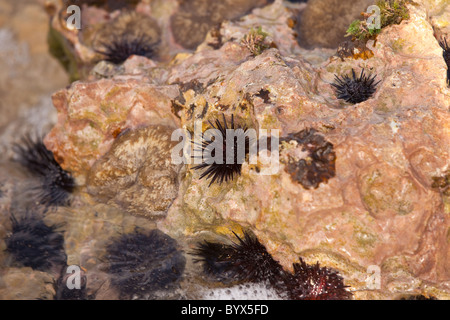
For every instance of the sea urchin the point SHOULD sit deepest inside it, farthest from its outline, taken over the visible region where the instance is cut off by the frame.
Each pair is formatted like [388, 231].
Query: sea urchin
[140, 263]
[444, 45]
[56, 183]
[222, 170]
[355, 89]
[125, 46]
[246, 260]
[312, 282]
[35, 244]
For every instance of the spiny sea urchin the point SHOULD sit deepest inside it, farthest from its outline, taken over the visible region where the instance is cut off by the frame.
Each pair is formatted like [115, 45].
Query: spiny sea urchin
[248, 261]
[62, 291]
[34, 244]
[312, 282]
[140, 263]
[125, 46]
[245, 260]
[444, 45]
[56, 183]
[220, 170]
[356, 89]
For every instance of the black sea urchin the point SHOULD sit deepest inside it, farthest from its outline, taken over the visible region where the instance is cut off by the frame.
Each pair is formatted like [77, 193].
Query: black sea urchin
[34, 244]
[56, 183]
[221, 171]
[141, 263]
[356, 89]
[312, 282]
[127, 45]
[63, 292]
[444, 45]
[246, 260]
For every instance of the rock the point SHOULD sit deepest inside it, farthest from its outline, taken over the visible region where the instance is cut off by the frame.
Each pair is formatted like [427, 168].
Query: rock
[137, 173]
[93, 114]
[356, 186]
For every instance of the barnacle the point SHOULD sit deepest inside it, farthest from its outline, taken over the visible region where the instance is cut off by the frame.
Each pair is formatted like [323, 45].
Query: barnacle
[319, 164]
[34, 244]
[356, 89]
[444, 45]
[140, 263]
[56, 183]
[221, 171]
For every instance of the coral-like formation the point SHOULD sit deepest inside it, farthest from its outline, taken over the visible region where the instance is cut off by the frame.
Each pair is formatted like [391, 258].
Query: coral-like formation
[56, 183]
[141, 263]
[317, 165]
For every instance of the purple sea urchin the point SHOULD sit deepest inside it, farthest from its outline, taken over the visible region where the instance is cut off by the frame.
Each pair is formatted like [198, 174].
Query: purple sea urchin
[312, 282]
[34, 244]
[56, 183]
[444, 45]
[222, 171]
[140, 263]
[125, 46]
[355, 89]
[246, 260]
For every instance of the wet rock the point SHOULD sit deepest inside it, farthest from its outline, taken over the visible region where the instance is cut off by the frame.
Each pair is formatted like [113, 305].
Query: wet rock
[93, 114]
[137, 173]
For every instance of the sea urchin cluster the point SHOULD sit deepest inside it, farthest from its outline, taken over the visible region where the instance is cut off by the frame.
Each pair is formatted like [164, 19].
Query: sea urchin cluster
[248, 261]
[56, 183]
[355, 89]
[221, 171]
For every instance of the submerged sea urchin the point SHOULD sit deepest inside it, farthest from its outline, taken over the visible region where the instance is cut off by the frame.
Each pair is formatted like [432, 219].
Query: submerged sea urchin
[356, 89]
[246, 260]
[125, 46]
[56, 183]
[34, 244]
[218, 169]
[141, 263]
[444, 45]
